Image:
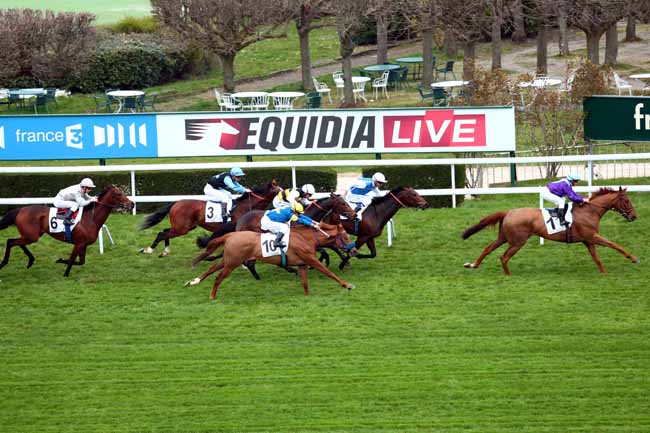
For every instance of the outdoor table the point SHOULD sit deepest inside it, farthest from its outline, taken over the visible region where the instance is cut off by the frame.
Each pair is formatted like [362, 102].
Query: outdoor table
[284, 100]
[416, 62]
[450, 85]
[248, 99]
[27, 93]
[380, 69]
[360, 86]
[122, 95]
[645, 78]
[541, 83]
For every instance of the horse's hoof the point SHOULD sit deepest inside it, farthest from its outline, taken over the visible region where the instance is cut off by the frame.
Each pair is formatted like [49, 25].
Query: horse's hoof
[636, 261]
[351, 286]
[147, 250]
[163, 254]
[61, 261]
[193, 282]
[470, 265]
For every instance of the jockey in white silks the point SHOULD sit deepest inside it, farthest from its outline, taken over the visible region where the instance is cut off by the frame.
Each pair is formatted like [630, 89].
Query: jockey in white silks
[74, 197]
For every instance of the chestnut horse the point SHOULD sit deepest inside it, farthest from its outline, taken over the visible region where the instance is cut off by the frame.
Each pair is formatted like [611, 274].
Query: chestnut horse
[375, 217]
[186, 215]
[517, 225]
[240, 247]
[33, 221]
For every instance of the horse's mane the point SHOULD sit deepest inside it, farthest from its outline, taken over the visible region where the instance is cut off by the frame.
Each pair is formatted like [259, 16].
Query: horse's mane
[381, 199]
[603, 191]
[99, 197]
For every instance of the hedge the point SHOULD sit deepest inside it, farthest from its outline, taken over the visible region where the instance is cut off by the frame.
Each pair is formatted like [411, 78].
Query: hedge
[157, 183]
[423, 177]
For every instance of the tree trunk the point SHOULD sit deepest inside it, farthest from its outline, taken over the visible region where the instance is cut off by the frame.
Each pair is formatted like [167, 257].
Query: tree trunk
[427, 57]
[449, 43]
[519, 33]
[593, 40]
[469, 59]
[348, 95]
[382, 39]
[630, 29]
[228, 64]
[611, 45]
[496, 40]
[542, 50]
[563, 41]
[305, 58]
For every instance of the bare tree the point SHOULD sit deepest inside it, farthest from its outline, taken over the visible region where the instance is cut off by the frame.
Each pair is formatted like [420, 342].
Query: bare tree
[383, 13]
[563, 37]
[498, 11]
[519, 24]
[611, 45]
[425, 16]
[349, 21]
[307, 16]
[630, 29]
[594, 17]
[224, 26]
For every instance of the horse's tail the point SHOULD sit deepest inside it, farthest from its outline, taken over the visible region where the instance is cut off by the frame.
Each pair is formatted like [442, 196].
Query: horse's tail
[489, 220]
[9, 218]
[156, 217]
[203, 241]
[211, 247]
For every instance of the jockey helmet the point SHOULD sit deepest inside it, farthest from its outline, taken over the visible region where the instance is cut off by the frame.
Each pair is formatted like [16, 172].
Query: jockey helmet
[87, 182]
[573, 177]
[236, 171]
[297, 207]
[379, 177]
[308, 188]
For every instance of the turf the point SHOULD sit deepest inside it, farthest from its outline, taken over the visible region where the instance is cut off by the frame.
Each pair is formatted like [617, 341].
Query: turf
[107, 11]
[420, 345]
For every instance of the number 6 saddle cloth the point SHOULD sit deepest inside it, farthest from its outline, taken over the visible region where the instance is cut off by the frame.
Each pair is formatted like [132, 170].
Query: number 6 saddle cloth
[267, 242]
[56, 225]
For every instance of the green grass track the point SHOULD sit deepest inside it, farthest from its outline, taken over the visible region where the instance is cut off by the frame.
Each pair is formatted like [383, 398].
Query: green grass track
[421, 344]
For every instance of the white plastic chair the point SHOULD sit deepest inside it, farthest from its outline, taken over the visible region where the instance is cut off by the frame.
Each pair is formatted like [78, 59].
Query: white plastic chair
[227, 102]
[359, 88]
[566, 87]
[381, 83]
[338, 81]
[622, 84]
[283, 103]
[321, 88]
[259, 103]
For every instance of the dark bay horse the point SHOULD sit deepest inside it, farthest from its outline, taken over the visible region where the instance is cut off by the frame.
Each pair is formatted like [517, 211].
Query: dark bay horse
[186, 215]
[240, 247]
[517, 225]
[33, 221]
[375, 217]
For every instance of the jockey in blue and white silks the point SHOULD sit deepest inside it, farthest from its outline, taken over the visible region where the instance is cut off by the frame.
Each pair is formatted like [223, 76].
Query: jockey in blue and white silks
[277, 220]
[219, 187]
[362, 190]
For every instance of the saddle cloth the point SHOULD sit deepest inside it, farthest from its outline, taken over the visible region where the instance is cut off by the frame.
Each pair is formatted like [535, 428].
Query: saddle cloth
[56, 225]
[269, 249]
[213, 212]
[552, 221]
[359, 213]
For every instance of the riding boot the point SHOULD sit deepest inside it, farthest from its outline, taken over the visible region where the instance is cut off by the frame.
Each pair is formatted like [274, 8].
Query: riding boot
[561, 212]
[278, 240]
[224, 212]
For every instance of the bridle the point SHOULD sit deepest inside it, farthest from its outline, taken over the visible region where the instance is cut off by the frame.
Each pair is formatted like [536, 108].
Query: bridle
[390, 193]
[616, 207]
[327, 212]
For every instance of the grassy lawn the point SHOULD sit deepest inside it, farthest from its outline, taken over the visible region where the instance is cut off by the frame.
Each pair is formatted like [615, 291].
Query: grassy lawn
[107, 11]
[421, 344]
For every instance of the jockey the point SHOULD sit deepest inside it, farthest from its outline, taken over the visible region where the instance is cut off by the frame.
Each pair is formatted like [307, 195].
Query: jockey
[556, 191]
[301, 195]
[362, 190]
[74, 197]
[277, 220]
[217, 188]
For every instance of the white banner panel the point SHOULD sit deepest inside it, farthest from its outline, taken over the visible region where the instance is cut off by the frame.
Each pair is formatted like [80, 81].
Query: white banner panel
[458, 129]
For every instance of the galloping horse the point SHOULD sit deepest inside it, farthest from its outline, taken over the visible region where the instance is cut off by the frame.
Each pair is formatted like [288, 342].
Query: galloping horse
[33, 221]
[517, 225]
[240, 247]
[186, 215]
[375, 217]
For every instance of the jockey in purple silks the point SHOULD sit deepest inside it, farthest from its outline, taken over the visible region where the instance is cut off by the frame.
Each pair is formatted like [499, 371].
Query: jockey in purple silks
[556, 191]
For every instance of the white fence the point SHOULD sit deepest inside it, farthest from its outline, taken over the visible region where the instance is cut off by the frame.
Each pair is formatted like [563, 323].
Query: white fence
[588, 162]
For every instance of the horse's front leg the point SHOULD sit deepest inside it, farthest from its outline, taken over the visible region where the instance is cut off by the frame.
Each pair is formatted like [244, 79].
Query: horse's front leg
[304, 278]
[598, 239]
[73, 256]
[594, 255]
[314, 263]
[373, 250]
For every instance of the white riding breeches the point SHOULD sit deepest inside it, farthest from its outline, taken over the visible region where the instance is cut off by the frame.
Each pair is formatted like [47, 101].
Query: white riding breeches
[355, 199]
[549, 196]
[219, 196]
[66, 204]
[279, 204]
[273, 226]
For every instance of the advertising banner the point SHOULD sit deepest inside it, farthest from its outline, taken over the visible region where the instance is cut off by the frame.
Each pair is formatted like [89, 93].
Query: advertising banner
[617, 118]
[458, 129]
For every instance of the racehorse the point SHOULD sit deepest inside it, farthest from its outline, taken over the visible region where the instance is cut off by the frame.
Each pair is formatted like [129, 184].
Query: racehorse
[240, 247]
[517, 225]
[186, 215]
[375, 217]
[33, 221]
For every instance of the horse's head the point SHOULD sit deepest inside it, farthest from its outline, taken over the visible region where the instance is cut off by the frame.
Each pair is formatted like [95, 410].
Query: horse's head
[409, 197]
[341, 207]
[623, 205]
[114, 197]
[270, 190]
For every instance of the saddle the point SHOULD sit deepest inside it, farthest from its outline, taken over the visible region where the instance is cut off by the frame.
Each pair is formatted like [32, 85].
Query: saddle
[62, 213]
[558, 219]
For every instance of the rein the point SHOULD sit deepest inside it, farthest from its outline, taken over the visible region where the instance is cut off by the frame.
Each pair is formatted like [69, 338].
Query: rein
[390, 193]
[327, 212]
[624, 212]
